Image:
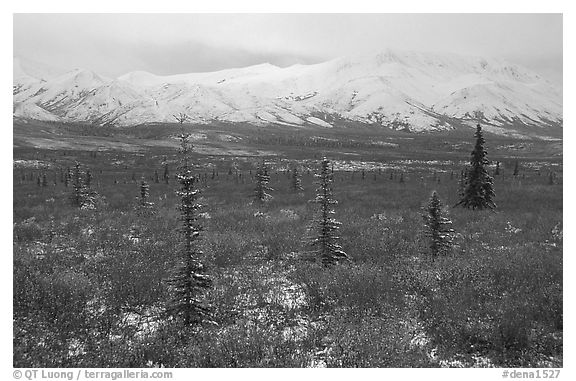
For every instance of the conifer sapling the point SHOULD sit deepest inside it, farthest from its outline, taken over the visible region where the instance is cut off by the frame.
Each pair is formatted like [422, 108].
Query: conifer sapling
[144, 206]
[326, 246]
[262, 179]
[296, 181]
[439, 227]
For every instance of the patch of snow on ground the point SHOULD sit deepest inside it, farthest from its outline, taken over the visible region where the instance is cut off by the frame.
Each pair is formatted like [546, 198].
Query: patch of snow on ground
[36, 164]
[318, 122]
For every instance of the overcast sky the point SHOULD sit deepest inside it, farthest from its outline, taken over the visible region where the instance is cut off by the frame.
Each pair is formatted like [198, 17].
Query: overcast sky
[113, 44]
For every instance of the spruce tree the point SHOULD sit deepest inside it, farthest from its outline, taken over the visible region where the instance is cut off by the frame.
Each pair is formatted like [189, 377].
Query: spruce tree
[67, 177]
[144, 206]
[296, 181]
[516, 168]
[88, 179]
[479, 191]
[551, 178]
[166, 174]
[82, 196]
[78, 189]
[439, 227]
[262, 179]
[325, 243]
[189, 279]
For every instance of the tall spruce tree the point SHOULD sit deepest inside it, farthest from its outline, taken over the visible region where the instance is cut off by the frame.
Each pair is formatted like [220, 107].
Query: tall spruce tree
[189, 280]
[439, 227]
[262, 179]
[326, 246]
[479, 190]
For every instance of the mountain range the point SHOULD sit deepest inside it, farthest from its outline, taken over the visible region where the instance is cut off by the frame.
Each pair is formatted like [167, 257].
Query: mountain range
[404, 90]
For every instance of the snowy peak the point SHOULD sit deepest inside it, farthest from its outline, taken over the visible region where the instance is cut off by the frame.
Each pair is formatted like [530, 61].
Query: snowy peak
[143, 79]
[397, 89]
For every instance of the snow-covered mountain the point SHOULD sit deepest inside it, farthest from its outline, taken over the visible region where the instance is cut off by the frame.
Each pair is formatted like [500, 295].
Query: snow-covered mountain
[396, 89]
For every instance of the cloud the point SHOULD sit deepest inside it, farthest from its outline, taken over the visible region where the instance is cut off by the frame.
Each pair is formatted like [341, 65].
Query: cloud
[193, 56]
[175, 43]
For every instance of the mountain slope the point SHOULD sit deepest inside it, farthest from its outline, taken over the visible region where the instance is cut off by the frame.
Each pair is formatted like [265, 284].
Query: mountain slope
[401, 90]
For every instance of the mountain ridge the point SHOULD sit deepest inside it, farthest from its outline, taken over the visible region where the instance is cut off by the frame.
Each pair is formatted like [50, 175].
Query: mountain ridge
[396, 89]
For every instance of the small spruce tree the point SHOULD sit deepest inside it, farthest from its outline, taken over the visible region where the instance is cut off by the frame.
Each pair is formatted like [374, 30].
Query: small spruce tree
[262, 179]
[551, 178]
[325, 243]
[82, 196]
[78, 189]
[296, 181]
[439, 227]
[166, 175]
[89, 177]
[67, 177]
[189, 280]
[479, 189]
[144, 206]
